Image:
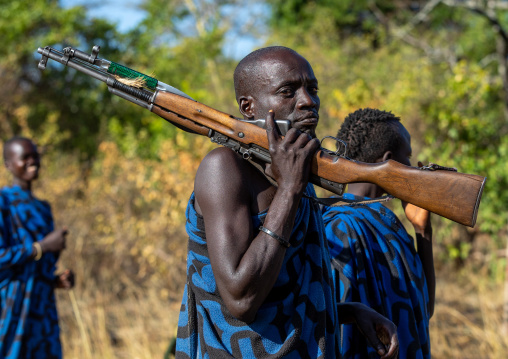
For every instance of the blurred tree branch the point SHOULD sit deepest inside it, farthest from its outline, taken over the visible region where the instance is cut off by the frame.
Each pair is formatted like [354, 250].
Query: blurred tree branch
[205, 12]
[403, 32]
[486, 9]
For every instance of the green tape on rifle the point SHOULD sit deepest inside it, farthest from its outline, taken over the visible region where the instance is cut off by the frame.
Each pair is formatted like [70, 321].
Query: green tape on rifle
[122, 71]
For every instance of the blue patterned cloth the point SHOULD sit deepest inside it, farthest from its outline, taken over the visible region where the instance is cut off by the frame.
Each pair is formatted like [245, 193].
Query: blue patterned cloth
[374, 262]
[28, 322]
[297, 320]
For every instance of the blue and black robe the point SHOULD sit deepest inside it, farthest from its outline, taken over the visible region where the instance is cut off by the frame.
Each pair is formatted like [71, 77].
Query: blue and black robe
[297, 319]
[28, 322]
[374, 262]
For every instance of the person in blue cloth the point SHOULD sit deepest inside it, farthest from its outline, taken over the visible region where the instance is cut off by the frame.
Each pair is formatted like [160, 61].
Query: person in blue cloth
[374, 258]
[29, 249]
[259, 280]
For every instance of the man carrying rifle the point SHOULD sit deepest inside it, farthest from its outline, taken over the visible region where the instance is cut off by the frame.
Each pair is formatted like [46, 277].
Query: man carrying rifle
[373, 257]
[259, 281]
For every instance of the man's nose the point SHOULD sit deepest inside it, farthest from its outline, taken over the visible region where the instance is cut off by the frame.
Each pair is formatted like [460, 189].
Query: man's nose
[306, 100]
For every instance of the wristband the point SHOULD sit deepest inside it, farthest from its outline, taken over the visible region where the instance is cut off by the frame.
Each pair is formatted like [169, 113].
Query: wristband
[281, 240]
[38, 251]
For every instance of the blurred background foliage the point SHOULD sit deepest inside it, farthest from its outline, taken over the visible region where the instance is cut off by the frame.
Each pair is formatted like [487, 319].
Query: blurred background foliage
[120, 177]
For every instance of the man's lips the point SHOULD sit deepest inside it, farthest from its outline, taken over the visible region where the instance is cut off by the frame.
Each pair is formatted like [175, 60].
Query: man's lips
[31, 169]
[309, 121]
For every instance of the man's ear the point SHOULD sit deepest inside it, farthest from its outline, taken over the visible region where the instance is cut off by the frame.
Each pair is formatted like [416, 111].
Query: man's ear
[246, 106]
[388, 155]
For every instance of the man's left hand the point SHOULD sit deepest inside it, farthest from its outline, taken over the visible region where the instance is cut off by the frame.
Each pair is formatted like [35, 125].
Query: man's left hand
[65, 280]
[419, 217]
[380, 332]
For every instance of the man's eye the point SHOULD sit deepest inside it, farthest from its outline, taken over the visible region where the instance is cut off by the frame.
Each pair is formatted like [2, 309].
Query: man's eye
[286, 91]
[313, 90]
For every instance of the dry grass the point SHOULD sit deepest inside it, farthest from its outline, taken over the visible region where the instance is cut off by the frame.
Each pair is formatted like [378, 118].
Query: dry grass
[468, 318]
[127, 246]
[99, 325]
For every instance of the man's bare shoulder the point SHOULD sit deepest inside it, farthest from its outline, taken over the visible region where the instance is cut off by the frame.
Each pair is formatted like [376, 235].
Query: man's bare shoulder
[222, 164]
[222, 176]
[226, 179]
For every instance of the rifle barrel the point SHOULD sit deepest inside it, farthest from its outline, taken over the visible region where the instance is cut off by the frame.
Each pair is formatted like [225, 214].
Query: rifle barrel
[60, 57]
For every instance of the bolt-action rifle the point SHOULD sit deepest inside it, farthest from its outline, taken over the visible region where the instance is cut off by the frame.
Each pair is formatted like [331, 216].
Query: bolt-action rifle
[453, 195]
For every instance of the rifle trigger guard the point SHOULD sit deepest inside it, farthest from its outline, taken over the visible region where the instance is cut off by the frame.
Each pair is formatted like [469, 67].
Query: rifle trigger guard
[337, 153]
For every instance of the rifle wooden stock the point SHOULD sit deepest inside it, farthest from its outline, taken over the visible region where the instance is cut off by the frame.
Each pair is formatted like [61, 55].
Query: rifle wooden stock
[453, 195]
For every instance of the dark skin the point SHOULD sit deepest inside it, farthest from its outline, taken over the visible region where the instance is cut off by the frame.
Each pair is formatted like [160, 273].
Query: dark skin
[245, 265]
[419, 217]
[380, 332]
[235, 253]
[23, 161]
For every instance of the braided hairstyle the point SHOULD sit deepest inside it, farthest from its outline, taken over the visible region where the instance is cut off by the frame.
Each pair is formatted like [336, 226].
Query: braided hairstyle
[369, 133]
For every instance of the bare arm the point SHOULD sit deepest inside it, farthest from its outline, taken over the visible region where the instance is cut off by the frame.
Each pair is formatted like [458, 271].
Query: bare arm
[245, 265]
[420, 218]
[20, 253]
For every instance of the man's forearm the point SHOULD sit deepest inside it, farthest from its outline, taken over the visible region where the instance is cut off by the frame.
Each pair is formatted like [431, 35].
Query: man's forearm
[425, 252]
[347, 312]
[265, 254]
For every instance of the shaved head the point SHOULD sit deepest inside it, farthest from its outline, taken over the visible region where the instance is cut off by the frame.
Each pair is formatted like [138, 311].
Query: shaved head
[248, 70]
[278, 79]
[7, 151]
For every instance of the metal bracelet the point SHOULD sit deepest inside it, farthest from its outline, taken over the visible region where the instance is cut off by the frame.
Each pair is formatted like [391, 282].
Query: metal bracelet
[281, 240]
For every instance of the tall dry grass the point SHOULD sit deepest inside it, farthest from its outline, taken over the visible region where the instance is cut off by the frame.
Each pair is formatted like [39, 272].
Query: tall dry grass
[127, 246]
[468, 320]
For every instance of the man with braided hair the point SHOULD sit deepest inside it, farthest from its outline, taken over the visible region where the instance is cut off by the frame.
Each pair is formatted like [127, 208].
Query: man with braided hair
[374, 259]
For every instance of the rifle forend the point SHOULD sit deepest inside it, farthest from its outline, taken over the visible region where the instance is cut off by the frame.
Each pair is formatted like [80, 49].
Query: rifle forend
[453, 195]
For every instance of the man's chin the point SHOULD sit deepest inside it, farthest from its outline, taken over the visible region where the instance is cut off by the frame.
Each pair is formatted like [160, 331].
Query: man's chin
[310, 131]
[33, 177]
[307, 128]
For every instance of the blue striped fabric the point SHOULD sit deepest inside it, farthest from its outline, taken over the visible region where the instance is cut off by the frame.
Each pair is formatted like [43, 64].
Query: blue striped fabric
[297, 319]
[374, 262]
[28, 322]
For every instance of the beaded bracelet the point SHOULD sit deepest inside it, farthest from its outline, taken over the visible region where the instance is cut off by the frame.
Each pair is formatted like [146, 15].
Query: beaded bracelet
[281, 240]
